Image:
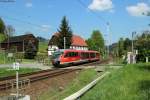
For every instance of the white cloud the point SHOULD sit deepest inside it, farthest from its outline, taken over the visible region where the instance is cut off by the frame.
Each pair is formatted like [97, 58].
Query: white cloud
[28, 4]
[45, 28]
[101, 5]
[139, 9]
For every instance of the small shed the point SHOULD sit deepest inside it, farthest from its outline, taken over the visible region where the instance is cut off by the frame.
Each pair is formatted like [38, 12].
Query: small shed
[19, 43]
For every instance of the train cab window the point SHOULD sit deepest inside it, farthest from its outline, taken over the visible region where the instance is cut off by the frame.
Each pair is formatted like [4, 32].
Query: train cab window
[56, 54]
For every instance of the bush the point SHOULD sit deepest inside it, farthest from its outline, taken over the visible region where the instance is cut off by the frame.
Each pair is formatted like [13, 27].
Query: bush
[30, 51]
[2, 37]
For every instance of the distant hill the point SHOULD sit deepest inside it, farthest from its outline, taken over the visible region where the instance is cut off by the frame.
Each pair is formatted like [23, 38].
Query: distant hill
[41, 39]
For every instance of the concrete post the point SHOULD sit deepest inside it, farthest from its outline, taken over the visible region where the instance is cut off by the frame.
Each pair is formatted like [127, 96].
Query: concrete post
[147, 60]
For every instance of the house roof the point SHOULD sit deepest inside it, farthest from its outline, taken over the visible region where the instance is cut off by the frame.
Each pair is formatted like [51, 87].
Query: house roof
[76, 40]
[19, 38]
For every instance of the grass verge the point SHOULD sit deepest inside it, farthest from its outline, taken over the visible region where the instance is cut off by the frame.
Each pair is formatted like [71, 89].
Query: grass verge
[129, 83]
[8, 72]
[83, 78]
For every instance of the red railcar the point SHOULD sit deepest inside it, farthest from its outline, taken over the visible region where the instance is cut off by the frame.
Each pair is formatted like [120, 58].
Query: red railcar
[71, 57]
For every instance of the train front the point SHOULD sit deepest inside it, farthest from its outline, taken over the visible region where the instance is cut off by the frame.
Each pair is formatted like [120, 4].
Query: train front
[56, 58]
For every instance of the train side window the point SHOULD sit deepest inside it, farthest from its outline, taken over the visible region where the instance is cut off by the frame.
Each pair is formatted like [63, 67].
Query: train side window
[71, 54]
[66, 55]
[92, 55]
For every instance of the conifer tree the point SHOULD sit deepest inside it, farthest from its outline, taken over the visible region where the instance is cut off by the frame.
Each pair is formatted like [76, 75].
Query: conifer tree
[64, 32]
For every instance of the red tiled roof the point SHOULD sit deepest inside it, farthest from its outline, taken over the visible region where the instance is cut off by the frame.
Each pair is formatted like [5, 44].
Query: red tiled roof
[76, 40]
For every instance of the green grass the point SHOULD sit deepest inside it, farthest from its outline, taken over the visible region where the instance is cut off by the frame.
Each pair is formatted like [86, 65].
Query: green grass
[80, 81]
[1, 58]
[129, 83]
[4, 59]
[9, 72]
[43, 46]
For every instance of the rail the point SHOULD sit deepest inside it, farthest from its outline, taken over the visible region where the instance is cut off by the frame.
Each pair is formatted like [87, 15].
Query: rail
[35, 76]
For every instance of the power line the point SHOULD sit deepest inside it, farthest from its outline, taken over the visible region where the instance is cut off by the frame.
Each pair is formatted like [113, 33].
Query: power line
[85, 6]
[22, 21]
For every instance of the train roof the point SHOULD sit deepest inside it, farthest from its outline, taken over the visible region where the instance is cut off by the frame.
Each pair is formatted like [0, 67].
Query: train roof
[63, 50]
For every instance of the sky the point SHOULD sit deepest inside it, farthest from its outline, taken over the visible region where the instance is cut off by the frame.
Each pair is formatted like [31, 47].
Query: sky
[43, 17]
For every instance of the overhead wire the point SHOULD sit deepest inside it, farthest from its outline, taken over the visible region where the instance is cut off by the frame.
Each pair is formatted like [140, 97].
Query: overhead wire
[21, 21]
[98, 16]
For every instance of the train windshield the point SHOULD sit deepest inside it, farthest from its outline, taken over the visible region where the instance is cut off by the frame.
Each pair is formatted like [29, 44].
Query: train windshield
[56, 54]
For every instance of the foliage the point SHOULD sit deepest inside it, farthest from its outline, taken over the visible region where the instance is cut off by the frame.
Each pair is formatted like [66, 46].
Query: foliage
[2, 37]
[96, 42]
[90, 43]
[64, 31]
[131, 82]
[143, 46]
[19, 55]
[40, 57]
[2, 26]
[30, 50]
[121, 47]
[127, 44]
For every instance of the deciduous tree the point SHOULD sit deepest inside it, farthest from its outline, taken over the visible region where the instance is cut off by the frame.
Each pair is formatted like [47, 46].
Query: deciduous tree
[96, 42]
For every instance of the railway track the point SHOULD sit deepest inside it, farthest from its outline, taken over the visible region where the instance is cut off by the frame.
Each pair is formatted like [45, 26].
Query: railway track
[96, 63]
[6, 82]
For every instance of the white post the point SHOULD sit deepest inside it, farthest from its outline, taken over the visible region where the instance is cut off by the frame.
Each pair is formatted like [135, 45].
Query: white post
[64, 42]
[146, 59]
[108, 32]
[4, 57]
[17, 85]
[16, 67]
[133, 54]
[23, 46]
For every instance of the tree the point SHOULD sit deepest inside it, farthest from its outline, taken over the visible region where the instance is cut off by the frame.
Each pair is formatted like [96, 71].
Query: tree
[2, 27]
[2, 31]
[90, 44]
[30, 50]
[96, 42]
[143, 46]
[121, 47]
[64, 32]
[10, 30]
[127, 44]
[2, 37]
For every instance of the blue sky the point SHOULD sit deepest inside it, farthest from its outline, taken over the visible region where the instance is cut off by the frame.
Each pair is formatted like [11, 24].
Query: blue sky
[42, 17]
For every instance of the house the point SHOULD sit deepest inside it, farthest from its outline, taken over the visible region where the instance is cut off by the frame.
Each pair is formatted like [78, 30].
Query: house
[78, 43]
[19, 43]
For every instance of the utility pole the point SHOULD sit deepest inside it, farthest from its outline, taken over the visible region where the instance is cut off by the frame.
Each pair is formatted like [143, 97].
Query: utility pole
[23, 46]
[133, 33]
[109, 40]
[17, 84]
[64, 42]
[133, 54]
